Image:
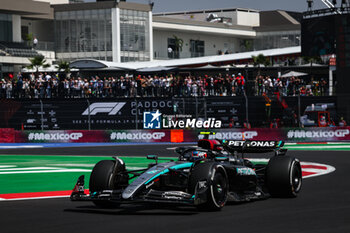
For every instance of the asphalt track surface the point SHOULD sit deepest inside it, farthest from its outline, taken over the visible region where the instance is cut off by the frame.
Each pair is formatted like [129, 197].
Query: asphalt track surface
[323, 205]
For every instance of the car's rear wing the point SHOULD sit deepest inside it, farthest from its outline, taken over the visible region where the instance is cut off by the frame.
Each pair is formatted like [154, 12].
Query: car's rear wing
[252, 146]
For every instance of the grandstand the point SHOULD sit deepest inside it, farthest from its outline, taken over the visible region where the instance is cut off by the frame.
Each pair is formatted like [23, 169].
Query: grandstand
[16, 49]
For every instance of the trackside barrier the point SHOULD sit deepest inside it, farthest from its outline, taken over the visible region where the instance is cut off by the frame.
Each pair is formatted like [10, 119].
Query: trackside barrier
[127, 113]
[7, 135]
[326, 134]
[177, 135]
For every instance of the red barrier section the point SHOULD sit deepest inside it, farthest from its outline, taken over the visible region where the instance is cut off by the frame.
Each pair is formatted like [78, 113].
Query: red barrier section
[7, 135]
[176, 135]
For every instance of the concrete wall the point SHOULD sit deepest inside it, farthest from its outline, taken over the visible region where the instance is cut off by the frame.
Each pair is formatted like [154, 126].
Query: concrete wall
[242, 18]
[239, 17]
[44, 30]
[41, 29]
[50, 56]
[212, 43]
[54, 2]
[16, 28]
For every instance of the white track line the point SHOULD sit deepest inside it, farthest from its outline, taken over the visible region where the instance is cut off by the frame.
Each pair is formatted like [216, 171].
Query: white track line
[18, 147]
[47, 171]
[7, 166]
[33, 198]
[73, 165]
[29, 168]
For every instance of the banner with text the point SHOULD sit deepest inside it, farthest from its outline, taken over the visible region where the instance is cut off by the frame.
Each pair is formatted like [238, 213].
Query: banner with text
[93, 136]
[327, 134]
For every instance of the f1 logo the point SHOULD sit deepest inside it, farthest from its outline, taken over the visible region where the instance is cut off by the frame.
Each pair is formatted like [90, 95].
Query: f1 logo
[112, 108]
[152, 120]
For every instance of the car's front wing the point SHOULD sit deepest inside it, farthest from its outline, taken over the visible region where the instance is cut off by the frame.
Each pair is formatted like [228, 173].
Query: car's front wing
[150, 195]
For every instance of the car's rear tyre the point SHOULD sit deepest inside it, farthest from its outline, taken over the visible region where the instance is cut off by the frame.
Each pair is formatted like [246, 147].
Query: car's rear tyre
[215, 177]
[283, 176]
[103, 178]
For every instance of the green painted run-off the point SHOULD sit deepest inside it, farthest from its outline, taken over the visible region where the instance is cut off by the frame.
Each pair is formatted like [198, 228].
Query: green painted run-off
[16, 171]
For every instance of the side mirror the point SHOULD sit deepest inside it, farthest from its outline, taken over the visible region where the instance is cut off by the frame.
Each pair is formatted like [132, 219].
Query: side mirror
[180, 150]
[281, 152]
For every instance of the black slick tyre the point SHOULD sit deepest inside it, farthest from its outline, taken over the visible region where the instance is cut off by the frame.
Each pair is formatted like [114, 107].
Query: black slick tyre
[215, 177]
[283, 176]
[102, 178]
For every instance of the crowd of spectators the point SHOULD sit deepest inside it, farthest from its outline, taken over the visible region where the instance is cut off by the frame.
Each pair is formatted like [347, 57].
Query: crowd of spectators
[51, 86]
[291, 86]
[46, 85]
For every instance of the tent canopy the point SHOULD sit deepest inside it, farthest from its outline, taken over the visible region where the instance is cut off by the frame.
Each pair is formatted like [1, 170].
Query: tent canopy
[293, 74]
[185, 62]
[155, 69]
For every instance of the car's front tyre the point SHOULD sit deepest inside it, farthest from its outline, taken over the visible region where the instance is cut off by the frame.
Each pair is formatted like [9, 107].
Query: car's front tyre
[214, 177]
[103, 178]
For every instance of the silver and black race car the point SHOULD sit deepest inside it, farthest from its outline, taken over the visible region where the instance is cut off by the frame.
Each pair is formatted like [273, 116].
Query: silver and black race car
[206, 176]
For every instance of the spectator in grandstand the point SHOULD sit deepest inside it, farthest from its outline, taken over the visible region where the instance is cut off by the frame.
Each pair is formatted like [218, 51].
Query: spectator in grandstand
[259, 85]
[268, 85]
[2, 88]
[9, 89]
[323, 86]
[35, 42]
[342, 122]
[232, 123]
[302, 91]
[239, 84]
[275, 123]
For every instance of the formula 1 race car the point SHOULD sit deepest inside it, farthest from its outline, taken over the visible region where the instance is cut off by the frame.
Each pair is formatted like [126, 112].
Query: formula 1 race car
[206, 176]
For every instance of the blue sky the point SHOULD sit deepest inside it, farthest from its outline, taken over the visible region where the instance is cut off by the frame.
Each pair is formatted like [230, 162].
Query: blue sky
[184, 5]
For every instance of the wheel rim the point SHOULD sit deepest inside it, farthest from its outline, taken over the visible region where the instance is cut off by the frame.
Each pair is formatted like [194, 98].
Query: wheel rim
[219, 188]
[296, 178]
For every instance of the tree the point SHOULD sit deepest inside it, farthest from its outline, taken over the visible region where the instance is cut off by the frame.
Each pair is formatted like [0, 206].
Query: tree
[312, 60]
[37, 62]
[260, 60]
[63, 66]
[29, 39]
[246, 44]
[267, 62]
[178, 45]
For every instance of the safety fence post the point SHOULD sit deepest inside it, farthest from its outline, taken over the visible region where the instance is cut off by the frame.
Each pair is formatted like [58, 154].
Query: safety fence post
[136, 115]
[205, 109]
[246, 108]
[196, 106]
[174, 106]
[42, 114]
[183, 106]
[299, 123]
[89, 116]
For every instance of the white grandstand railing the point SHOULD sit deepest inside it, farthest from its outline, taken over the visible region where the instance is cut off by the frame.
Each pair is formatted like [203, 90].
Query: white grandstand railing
[330, 5]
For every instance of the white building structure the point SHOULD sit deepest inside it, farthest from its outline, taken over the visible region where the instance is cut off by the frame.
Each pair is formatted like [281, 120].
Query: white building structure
[223, 31]
[105, 30]
[16, 41]
[120, 31]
